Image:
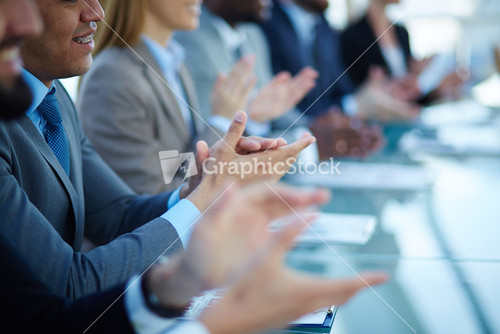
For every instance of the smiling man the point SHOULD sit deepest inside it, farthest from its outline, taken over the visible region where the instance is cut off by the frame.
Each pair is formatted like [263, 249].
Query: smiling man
[64, 49]
[56, 188]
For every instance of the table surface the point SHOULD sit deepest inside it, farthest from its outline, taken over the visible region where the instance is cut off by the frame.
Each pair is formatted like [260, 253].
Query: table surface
[440, 245]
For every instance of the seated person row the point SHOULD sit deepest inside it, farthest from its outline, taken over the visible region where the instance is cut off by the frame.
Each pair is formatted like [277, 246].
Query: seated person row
[56, 189]
[227, 31]
[134, 99]
[139, 97]
[29, 306]
[298, 34]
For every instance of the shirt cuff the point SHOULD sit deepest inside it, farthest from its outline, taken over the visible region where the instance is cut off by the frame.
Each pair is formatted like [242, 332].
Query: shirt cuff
[146, 322]
[182, 216]
[350, 105]
[174, 198]
[142, 319]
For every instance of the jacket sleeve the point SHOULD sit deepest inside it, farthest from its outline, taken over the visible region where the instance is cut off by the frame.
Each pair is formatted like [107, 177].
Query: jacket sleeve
[28, 306]
[71, 273]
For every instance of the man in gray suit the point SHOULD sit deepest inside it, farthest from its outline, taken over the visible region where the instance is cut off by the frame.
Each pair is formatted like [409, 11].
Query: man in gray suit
[56, 188]
[225, 34]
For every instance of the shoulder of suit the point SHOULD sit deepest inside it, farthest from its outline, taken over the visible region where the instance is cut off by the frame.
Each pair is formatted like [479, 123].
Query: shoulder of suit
[114, 56]
[116, 64]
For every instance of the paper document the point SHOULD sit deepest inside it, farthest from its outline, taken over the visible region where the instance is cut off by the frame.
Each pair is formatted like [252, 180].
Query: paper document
[315, 318]
[320, 318]
[368, 176]
[335, 229]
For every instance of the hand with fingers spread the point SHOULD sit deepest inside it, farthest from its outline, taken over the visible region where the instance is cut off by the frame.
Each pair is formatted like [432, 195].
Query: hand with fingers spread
[222, 163]
[226, 239]
[231, 92]
[281, 94]
[270, 295]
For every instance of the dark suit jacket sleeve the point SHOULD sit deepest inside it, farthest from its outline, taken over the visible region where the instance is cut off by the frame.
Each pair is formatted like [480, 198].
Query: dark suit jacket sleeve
[29, 307]
[75, 274]
[111, 210]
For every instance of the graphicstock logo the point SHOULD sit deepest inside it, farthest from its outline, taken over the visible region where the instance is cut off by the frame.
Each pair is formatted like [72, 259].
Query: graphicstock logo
[182, 165]
[255, 166]
[174, 163]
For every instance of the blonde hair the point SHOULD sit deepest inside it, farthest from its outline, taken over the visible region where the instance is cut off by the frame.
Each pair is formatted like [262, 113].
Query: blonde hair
[126, 22]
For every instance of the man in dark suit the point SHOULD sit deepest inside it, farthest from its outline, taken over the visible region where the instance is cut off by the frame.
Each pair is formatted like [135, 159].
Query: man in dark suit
[56, 188]
[319, 48]
[299, 35]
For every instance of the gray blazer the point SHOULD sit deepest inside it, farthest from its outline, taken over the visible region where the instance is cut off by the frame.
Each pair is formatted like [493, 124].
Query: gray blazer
[207, 55]
[46, 213]
[130, 115]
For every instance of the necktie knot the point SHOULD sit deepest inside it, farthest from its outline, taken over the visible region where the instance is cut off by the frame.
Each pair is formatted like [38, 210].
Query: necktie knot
[49, 109]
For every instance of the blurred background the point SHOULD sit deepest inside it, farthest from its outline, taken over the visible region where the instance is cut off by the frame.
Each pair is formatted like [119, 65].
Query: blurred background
[463, 32]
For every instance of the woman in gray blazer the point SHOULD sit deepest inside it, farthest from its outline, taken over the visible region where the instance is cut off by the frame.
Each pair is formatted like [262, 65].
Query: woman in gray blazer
[139, 98]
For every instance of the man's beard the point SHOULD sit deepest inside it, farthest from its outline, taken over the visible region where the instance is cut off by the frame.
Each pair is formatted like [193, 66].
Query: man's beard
[14, 101]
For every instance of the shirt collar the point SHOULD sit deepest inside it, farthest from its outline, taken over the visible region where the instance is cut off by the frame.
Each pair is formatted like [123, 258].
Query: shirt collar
[168, 57]
[303, 22]
[231, 37]
[38, 89]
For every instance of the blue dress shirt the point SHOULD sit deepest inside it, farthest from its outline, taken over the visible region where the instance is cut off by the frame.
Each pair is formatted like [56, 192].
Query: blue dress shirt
[39, 90]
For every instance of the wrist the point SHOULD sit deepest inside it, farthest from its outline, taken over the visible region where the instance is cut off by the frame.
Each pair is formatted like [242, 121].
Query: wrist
[153, 283]
[185, 191]
[171, 286]
[202, 195]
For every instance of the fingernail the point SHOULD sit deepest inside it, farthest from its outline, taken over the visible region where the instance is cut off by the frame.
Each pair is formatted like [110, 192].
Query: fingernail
[239, 117]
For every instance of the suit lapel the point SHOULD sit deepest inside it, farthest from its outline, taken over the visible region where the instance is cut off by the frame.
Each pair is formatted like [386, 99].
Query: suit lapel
[46, 152]
[373, 52]
[154, 75]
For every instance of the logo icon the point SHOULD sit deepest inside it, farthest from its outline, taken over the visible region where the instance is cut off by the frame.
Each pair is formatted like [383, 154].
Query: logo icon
[174, 163]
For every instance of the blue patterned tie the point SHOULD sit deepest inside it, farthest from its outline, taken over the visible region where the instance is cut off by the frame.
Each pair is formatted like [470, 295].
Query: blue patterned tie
[54, 130]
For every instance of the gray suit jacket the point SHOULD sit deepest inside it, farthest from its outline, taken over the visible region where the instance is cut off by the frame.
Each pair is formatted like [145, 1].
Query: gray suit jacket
[46, 213]
[130, 115]
[207, 55]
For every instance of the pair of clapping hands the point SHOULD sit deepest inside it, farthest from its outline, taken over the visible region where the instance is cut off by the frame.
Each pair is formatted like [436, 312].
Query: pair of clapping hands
[232, 247]
[233, 91]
